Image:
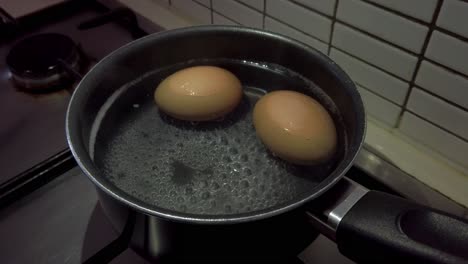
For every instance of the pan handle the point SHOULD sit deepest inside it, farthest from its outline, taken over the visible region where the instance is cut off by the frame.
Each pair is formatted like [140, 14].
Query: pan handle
[376, 227]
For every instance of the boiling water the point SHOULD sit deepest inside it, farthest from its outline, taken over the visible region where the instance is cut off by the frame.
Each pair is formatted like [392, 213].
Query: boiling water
[213, 168]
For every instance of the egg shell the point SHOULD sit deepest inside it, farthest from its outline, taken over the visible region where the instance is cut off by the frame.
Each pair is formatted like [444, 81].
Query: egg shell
[295, 127]
[199, 93]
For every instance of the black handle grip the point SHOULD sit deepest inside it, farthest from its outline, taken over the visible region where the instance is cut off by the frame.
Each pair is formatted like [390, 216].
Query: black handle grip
[382, 228]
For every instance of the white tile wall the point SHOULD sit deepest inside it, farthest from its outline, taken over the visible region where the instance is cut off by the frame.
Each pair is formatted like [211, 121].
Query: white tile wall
[444, 83]
[422, 131]
[196, 11]
[448, 51]
[420, 9]
[374, 51]
[301, 18]
[439, 112]
[325, 6]
[275, 26]
[220, 20]
[371, 77]
[239, 13]
[257, 4]
[381, 23]
[379, 108]
[454, 17]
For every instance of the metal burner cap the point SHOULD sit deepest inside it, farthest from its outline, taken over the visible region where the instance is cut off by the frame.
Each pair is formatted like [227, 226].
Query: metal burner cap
[41, 61]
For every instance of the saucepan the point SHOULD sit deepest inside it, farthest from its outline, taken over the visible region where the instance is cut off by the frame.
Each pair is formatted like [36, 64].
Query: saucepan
[211, 190]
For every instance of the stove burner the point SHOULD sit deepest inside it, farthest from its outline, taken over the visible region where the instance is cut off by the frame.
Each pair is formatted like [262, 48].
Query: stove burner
[44, 61]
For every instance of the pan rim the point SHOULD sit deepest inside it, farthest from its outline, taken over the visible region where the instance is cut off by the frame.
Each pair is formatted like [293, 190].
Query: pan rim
[87, 167]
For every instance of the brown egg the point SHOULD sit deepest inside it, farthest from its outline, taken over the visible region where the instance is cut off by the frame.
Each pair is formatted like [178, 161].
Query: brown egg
[295, 127]
[199, 93]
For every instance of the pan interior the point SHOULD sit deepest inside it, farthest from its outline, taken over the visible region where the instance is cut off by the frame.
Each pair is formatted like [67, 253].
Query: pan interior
[213, 168]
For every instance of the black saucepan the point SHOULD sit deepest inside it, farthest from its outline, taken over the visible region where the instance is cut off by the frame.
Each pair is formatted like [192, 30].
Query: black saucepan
[212, 190]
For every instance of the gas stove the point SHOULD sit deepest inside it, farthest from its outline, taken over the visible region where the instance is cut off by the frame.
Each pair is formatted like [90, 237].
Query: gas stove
[42, 57]
[49, 211]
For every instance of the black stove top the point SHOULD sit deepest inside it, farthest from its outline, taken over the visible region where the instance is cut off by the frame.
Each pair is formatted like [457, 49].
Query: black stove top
[38, 225]
[41, 228]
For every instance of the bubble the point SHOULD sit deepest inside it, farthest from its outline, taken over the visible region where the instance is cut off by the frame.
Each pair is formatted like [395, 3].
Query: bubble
[244, 157]
[245, 184]
[203, 184]
[233, 151]
[192, 199]
[206, 195]
[247, 171]
[224, 140]
[213, 203]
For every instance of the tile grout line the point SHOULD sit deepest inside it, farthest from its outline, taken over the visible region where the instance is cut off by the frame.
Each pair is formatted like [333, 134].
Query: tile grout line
[332, 28]
[228, 18]
[313, 9]
[451, 34]
[445, 130]
[370, 64]
[453, 71]
[398, 13]
[296, 29]
[377, 94]
[378, 38]
[432, 26]
[246, 5]
[264, 13]
[441, 98]
[211, 11]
